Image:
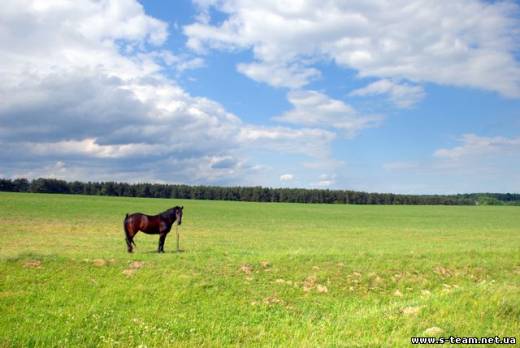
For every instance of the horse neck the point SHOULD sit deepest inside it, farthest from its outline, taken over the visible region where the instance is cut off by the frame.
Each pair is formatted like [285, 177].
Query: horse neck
[170, 218]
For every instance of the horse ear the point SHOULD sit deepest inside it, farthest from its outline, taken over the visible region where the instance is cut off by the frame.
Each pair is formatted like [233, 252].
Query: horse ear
[182, 207]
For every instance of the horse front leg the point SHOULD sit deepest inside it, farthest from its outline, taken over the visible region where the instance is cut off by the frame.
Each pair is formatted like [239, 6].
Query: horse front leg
[162, 238]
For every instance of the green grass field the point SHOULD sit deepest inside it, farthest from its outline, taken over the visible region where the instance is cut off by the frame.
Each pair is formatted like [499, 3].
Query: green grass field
[254, 274]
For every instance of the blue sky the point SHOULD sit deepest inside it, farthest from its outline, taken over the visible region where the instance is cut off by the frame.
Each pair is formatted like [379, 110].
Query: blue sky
[405, 97]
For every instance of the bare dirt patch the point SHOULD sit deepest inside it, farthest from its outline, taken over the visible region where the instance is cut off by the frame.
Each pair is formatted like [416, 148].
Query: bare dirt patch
[443, 271]
[136, 264]
[321, 289]
[132, 268]
[284, 282]
[273, 300]
[265, 264]
[433, 331]
[99, 262]
[311, 283]
[247, 269]
[376, 281]
[411, 310]
[129, 272]
[32, 264]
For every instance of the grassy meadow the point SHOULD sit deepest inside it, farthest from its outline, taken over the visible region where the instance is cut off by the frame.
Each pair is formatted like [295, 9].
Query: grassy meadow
[254, 274]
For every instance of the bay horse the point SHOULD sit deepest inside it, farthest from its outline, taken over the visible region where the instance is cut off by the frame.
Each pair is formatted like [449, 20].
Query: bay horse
[159, 224]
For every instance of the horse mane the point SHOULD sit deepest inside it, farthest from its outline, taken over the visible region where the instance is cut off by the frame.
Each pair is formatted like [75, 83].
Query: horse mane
[169, 212]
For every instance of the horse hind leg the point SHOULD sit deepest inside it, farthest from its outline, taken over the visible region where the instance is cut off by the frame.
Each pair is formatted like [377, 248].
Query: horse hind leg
[132, 235]
[129, 243]
[129, 237]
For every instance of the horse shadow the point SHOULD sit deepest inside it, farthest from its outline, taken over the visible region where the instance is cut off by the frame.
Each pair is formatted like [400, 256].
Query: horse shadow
[166, 252]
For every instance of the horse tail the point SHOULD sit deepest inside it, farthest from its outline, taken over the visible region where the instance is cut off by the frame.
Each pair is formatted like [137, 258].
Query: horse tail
[129, 239]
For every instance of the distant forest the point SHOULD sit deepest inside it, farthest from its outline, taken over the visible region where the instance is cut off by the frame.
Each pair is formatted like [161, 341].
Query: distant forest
[249, 194]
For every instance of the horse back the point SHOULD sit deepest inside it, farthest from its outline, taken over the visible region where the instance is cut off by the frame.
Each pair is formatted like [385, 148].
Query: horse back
[149, 224]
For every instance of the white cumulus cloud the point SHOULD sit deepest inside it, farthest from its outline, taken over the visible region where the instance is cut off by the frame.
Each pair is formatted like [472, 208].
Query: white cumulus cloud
[279, 75]
[474, 146]
[466, 43]
[403, 95]
[86, 95]
[286, 177]
[312, 108]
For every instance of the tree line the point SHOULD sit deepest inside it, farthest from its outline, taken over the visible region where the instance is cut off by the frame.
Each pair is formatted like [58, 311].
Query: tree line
[250, 194]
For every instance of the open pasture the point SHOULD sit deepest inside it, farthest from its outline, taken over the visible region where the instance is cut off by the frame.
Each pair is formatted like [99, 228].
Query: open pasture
[254, 273]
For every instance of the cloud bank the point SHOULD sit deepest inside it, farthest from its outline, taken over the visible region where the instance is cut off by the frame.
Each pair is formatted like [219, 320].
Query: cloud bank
[85, 95]
[466, 43]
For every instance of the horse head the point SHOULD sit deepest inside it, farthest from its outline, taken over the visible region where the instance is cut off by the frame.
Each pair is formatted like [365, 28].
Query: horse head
[178, 214]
